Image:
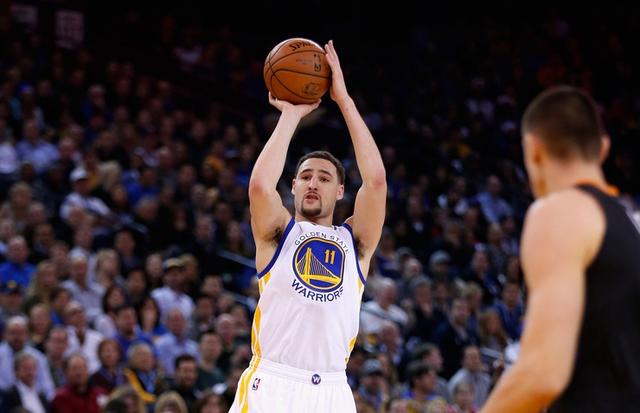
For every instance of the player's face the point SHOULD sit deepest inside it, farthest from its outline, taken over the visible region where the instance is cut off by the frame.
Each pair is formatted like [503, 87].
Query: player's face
[316, 188]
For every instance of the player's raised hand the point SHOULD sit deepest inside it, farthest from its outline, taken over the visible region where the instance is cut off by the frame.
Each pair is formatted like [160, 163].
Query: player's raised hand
[302, 109]
[338, 90]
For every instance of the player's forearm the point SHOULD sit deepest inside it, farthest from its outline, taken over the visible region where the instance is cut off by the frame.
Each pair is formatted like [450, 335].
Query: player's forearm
[521, 389]
[367, 154]
[270, 163]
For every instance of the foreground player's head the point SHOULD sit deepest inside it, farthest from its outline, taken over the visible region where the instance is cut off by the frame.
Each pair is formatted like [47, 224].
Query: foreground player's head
[561, 125]
[318, 184]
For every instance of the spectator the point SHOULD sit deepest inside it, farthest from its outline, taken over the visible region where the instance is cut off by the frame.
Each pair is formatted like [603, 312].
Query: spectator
[473, 374]
[111, 373]
[203, 316]
[81, 197]
[210, 348]
[186, 373]
[462, 399]
[209, 402]
[128, 331]
[430, 354]
[16, 342]
[490, 331]
[422, 384]
[23, 393]
[11, 301]
[77, 395]
[82, 338]
[171, 294]
[494, 207]
[39, 325]
[175, 342]
[45, 279]
[17, 268]
[453, 336]
[56, 347]
[382, 308]
[34, 149]
[142, 374]
[372, 385]
[511, 310]
[170, 402]
[151, 322]
[113, 297]
[85, 291]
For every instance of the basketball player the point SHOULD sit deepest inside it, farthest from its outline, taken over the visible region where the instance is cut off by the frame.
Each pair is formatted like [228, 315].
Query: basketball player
[311, 272]
[580, 350]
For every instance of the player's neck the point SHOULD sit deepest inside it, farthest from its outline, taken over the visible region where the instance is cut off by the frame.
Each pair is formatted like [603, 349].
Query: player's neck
[323, 221]
[564, 176]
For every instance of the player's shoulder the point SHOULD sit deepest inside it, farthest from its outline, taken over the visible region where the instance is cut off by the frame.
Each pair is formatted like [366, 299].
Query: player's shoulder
[571, 212]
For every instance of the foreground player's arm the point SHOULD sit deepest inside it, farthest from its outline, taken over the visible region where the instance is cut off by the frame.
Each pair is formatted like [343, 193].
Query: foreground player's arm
[561, 237]
[369, 209]
[268, 214]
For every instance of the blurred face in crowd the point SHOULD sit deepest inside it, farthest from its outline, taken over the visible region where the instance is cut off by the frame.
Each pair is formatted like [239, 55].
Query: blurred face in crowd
[373, 383]
[426, 383]
[472, 361]
[460, 312]
[463, 396]
[176, 323]
[213, 404]
[316, 188]
[434, 358]
[78, 270]
[136, 282]
[17, 250]
[39, 319]
[186, 374]
[210, 347]
[126, 321]
[26, 370]
[511, 294]
[75, 316]
[77, 373]
[142, 359]
[109, 354]
[16, 335]
[173, 278]
[57, 343]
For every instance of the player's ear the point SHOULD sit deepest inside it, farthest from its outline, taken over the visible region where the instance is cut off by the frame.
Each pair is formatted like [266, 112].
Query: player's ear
[340, 192]
[534, 147]
[604, 148]
[293, 186]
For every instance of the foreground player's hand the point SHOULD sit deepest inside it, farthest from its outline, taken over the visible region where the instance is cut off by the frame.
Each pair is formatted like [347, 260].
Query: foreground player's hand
[301, 110]
[338, 89]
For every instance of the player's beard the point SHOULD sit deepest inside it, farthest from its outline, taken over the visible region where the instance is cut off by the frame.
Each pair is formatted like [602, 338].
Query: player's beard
[311, 212]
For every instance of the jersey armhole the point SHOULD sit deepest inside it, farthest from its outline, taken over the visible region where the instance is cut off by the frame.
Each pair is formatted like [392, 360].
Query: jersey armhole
[355, 250]
[278, 249]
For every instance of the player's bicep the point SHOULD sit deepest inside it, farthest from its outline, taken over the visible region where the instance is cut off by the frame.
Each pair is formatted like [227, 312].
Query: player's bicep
[556, 249]
[368, 216]
[268, 214]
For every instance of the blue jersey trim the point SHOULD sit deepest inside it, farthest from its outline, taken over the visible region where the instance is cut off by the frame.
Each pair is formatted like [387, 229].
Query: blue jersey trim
[355, 250]
[277, 253]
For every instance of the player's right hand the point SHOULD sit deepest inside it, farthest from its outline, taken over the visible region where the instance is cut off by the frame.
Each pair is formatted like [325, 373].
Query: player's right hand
[301, 109]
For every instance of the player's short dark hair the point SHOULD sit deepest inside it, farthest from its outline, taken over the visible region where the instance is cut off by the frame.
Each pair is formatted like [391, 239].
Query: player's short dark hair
[567, 120]
[324, 155]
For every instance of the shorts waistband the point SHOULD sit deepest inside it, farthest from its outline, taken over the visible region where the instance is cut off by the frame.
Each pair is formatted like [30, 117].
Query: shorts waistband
[300, 375]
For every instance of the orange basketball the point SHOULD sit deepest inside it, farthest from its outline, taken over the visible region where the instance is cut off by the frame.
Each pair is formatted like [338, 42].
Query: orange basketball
[297, 71]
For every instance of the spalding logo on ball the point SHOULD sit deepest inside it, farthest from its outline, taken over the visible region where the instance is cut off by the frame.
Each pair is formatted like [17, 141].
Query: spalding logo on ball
[296, 71]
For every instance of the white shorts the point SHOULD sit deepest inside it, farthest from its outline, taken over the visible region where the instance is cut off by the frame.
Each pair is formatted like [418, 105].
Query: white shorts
[268, 387]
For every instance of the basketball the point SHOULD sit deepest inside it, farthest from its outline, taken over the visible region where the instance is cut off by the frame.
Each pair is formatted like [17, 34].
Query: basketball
[296, 71]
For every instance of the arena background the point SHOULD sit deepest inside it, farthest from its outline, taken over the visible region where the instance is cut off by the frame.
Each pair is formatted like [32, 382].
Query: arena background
[163, 109]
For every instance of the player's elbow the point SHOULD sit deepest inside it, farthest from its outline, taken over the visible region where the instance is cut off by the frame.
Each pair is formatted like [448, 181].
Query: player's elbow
[550, 384]
[378, 180]
[258, 186]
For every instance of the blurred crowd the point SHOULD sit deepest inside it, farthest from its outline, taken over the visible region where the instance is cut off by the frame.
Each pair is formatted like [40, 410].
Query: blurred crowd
[126, 254]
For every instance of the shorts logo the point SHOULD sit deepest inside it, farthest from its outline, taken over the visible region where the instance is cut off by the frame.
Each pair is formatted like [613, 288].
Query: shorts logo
[255, 384]
[318, 264]
[316, 379]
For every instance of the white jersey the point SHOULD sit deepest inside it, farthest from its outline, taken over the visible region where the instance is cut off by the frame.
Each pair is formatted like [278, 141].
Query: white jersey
[310, 293]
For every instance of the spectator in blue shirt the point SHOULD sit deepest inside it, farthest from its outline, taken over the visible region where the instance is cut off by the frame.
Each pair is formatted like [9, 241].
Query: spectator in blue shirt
[17, 268]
